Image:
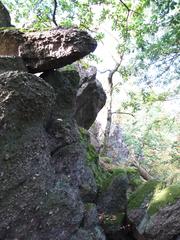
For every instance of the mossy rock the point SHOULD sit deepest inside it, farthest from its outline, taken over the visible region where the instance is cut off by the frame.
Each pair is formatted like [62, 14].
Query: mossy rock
[134, 178]
[92, 157]
[156, 194]
[145, 191]
[131, 174]
[103, 176]
[164, 197]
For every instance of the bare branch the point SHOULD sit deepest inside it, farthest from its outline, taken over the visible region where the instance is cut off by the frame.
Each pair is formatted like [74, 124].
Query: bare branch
[105, 71]
[125, 5]
[127, 113]
[128, 9]
[54, 13]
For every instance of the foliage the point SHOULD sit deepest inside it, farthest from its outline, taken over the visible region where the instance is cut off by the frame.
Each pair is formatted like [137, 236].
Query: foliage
[153, 137]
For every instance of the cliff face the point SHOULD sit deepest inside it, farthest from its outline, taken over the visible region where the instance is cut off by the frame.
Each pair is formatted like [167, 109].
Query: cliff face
[47, 189]
[45, 183]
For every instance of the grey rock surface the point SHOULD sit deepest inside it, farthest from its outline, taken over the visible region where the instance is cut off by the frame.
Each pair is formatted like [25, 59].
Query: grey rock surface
[43, 175]
[5, 20]
[47, 50]
[165, 225]
[111, 206]
[114, 199]
[10, 41]
[117, 148]
[68, 154]
[91, 98]
[93, 234]
[55, 48]
[12, 64]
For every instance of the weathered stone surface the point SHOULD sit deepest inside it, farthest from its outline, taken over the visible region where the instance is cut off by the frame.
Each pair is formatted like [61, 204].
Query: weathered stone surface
[55, 48]
[10, 41]
[90, 98]
[42, 163]
[12, 64]
[90, 216]
[5, 20]
[47, 50]
[114, 200]
[94, 132]
[94, 234]
[68, 154]
[165, 225]
[25, 169]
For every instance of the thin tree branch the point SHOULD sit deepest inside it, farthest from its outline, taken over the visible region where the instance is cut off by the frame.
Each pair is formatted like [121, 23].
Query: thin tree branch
[54, 13]
[128, 9]
[105, 71]
[123, 113]
[125, 5]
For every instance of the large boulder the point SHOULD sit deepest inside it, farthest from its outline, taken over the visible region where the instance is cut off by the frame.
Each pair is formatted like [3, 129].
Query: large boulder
[113, 199]
[26, 174]
[91, 97]
[47, 50]
[5, 20]
[154, 210]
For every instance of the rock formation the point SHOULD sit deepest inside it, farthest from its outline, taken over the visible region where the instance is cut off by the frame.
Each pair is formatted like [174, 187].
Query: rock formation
[42, 51]
[117, 148]
[47, 188]
[154, 211]
[5, 20]
[45, 183]
[90, 97]
[12, 63]
[52, 185]
[112, 206]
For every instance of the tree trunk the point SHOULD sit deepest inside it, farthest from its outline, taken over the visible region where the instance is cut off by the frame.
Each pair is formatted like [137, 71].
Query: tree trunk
[142, 171]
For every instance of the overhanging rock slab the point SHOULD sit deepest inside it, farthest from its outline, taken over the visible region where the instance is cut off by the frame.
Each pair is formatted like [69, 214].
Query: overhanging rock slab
[47, 50]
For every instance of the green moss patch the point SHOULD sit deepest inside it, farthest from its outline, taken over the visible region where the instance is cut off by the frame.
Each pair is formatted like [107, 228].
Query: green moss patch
[164, 197]
[156, 194]
[92, 158]
[103, 176]
[145, 191]
[134, 178]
